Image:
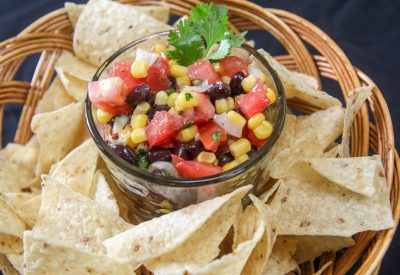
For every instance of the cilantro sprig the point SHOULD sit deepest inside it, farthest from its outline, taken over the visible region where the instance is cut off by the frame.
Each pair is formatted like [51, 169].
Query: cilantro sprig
[196, 36]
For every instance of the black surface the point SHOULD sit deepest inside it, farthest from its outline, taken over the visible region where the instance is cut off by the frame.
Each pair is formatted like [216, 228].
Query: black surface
[367, 31]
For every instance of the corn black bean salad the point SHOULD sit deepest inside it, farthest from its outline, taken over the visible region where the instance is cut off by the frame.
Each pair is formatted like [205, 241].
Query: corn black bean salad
[183, 114]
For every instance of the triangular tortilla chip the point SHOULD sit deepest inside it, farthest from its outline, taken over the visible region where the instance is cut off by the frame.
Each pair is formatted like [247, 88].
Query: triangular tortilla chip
[10, 244]
[58, 132]
[5, 266]
[26, 205]
[281, 260]
[75, 219]
[75, 67]
[98, 37]
[24, 156]
[75, 87]
[42, 256]
[103, 194]
[10, 222]
[77, 169]
[17, 261]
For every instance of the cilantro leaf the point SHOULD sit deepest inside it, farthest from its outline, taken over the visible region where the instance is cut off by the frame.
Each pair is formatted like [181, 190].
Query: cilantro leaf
[222, 51]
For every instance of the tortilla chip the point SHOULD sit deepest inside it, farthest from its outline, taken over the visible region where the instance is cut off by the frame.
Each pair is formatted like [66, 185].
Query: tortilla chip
[133, 246]
[98, 37]
[354, 102]
[24, 156]
[311, 247]
[77, 169]
[17, 261]
[54, 257]
[10, 244]
[5, 267]
[281, 260]
[54, 98]
[75, 67]
[355, 174]
[10, 222]
[11, 177]
[160, 13]
[75, 87]
[26, 205]
[103, 194]
[75, 219]
[306, 202]
[58, 132]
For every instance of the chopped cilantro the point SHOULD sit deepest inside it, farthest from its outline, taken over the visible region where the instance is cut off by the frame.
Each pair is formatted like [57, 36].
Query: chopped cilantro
[188, 96]
[187, 124]
[165, 173]
[143, 163]
[216, 136]
[197, 82]
[171, 91]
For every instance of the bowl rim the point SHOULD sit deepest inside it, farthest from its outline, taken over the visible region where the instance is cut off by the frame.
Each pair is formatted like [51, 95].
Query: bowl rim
[184, 182]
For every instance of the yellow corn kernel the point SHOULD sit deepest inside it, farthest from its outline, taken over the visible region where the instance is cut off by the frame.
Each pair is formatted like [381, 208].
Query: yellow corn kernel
[217, 67]
[221, 106]
[142, 108]
[187, 134]
[138, 136]
[230, 165]
[139, 68]
[183, 80]
[226, 79]
[130, 143]
[255, 120]
[158, 48]
[206, 157]
[271, 95]
[263, 130]
[171, 99]
[171, 63]
[139, 121]
[237, 118]
[161, 98]
[187, 100]
[231, 103]
[248, 83]
[262, 77]
[178, 70]
[103, 116]
[242, 158]
[240, 147]
[173, 111]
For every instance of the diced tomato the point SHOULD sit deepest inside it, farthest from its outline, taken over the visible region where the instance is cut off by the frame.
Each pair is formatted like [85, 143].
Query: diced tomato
[203, 70]
[122, 70]
[157, 77]
[255, 141]
[254, 102]
[205, 109]
[233, 64]
[167, 144]
[211, 135]
[161, 128]
[194, 169]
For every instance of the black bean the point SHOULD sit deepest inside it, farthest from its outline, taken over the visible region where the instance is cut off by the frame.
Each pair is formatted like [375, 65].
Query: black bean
[224, 158]
[172, 82]
[182, 151]
[159, 154]
[124, 152]
[218, 91]
[157, 108]
[138, 94]
[236, 83]
[194, 148]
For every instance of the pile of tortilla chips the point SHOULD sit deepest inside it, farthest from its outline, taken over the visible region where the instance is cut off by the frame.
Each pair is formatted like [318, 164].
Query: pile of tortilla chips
[61, 212]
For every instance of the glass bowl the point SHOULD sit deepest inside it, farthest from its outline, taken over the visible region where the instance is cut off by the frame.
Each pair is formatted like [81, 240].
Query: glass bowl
[150, 195]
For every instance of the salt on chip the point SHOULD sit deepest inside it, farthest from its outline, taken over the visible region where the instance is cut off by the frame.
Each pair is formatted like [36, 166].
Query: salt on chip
[58, 132]
[17, 261]
[75, 87]
[307, 203]
[281, 260]
[146, 241]
[311, 247]
[354, 102]
[42, 256]
[10, 244]
[5, 266]
[103, 194]
[98, 37]
[77, 169]
[72, 218]
[26, 205]
[10, 222]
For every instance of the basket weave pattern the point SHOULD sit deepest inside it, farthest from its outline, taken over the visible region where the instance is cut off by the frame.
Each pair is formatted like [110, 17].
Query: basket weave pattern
[51, 34]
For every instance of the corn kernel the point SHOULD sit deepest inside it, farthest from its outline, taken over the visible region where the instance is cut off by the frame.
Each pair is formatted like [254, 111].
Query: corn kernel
[138, 136]
[183, 80]
[139, 68]
[240, 147]
[221, 106]
[173, 111]
[262, 77]
[263, 130]
[230, 165]
[187, 134]
[231, 103]
[248, 83]
[171, 99]
[226, 79]
[255, 120]
[142, 108]
[161, 98]
[171, 63]
[187, 100]
[158, 48]
[130, 143]
[103, 116]
[139, 121]
[178, 70]
[271, 95]
[242, 158]
[206, 157]
[236, 118]
[217, 67]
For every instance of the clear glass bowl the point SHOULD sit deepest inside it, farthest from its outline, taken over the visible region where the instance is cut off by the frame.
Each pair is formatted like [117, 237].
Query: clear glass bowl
[151, 195]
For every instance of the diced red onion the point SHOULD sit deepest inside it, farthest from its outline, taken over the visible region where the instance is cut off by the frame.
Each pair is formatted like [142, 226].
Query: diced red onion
[228, 125]
[166, 166]
[143, 55]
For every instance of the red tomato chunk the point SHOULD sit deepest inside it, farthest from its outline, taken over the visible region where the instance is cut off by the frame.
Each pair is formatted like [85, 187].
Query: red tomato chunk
[203, 70]
[233, 64]
[211, 135]
[157, 77]
[194, 169]
[122, 70]
[254, 102]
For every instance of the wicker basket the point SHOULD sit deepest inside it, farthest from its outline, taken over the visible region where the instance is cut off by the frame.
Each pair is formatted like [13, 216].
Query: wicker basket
[51, 34]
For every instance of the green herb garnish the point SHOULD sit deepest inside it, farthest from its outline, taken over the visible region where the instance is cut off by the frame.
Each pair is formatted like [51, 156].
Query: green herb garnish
[216, 136]
[197, 82]
[171, 91]
[187, 124]
[143, 163]
[196, 36]
[165, 173]
[188, 96]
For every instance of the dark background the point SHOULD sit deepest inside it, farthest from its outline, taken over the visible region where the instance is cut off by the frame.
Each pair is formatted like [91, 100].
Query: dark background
[367, 31]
